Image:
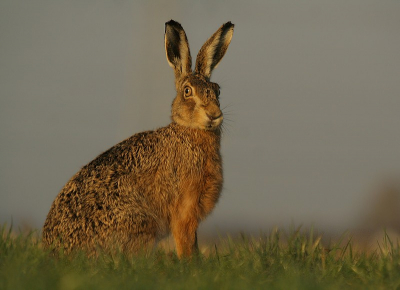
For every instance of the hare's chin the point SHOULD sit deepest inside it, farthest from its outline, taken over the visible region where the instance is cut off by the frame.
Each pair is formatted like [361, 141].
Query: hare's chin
[211, 128]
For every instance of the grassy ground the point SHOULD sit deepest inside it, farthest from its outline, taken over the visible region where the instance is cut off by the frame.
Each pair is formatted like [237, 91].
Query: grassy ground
[276, 261]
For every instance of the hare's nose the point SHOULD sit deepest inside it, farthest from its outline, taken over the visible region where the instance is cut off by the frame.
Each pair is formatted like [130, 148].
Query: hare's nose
[213, 117]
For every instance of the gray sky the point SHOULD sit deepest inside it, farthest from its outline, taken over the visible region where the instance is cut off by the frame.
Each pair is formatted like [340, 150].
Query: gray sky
[312, 90]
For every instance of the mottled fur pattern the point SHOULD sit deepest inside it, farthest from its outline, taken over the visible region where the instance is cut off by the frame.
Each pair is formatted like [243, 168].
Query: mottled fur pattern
[156, 182]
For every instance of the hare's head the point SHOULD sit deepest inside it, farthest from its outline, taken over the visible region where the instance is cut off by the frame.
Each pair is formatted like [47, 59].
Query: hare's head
[196, 104]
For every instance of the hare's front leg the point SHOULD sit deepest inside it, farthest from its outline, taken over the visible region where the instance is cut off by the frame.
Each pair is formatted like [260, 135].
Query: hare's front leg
[184, 231]
[185, 218]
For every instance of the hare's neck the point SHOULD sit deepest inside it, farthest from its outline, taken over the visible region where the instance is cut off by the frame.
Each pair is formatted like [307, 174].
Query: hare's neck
[205, 138]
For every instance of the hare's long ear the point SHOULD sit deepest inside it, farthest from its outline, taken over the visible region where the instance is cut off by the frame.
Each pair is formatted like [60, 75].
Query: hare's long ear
[213, 50]
[177, 49]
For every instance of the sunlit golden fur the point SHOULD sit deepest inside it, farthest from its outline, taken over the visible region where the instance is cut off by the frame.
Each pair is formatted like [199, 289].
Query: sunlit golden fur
[156, 182]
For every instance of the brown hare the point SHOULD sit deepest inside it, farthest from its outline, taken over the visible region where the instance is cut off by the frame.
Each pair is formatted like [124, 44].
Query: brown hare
[155, 182]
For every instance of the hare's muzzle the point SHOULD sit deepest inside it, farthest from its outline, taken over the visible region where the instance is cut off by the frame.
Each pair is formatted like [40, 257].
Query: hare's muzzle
[214, 119]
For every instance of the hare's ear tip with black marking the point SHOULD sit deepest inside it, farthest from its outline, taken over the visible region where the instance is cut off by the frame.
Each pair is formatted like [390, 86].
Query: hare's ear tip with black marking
[172, 22]
[228, 24]
[228, 27]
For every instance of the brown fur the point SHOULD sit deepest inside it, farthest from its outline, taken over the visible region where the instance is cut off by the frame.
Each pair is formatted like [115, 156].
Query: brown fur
[155, 182]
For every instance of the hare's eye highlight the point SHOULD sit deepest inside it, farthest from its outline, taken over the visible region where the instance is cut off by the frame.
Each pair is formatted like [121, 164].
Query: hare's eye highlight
[187, 92]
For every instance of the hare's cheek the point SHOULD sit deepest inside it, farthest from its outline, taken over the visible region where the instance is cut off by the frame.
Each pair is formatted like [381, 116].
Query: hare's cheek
[203, 119]
[190, 106]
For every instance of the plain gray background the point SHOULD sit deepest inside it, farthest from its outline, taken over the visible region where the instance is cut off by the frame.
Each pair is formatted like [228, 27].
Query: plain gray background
[311, 90]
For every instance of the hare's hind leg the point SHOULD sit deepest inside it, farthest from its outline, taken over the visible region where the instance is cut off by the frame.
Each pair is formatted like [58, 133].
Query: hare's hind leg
[136, 232]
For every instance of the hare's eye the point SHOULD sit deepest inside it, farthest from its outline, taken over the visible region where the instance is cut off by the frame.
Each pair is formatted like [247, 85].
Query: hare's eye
[218, 92]
[187, 91]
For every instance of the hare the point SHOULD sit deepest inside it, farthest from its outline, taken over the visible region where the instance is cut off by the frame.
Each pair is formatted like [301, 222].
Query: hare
[155, 182]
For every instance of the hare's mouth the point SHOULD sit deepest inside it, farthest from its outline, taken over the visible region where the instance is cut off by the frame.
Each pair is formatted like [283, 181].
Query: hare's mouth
[214, 123]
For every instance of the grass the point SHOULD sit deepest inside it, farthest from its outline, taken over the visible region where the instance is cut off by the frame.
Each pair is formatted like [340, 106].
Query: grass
[297, 260]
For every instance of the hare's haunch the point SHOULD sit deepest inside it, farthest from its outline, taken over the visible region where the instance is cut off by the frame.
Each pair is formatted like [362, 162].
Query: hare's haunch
[155, 182]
